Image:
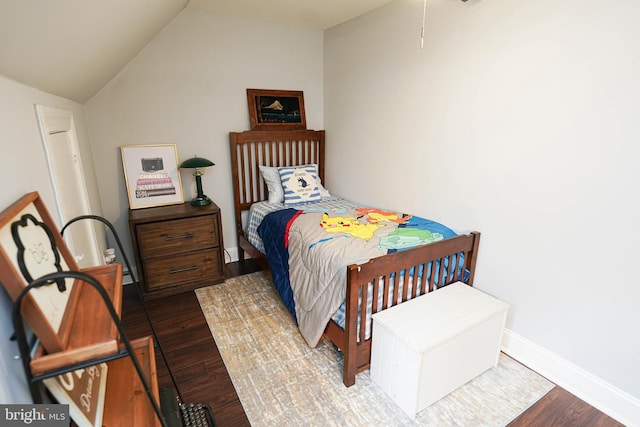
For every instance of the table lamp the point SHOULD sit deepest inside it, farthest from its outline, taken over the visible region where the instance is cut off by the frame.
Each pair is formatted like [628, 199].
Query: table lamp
[197, 163]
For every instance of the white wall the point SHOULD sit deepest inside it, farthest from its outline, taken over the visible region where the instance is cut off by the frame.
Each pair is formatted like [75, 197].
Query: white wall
[517, 119]
[23, 169]
[188, 87]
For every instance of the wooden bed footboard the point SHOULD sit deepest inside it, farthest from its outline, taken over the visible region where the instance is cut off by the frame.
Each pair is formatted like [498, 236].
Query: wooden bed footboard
[423, 266]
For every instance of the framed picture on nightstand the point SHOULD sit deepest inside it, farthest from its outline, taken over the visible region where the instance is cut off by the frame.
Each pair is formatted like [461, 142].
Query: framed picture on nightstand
[151, 175]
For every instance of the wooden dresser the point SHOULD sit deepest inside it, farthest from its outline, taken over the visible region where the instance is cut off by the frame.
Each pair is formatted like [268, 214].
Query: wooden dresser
[177, 248]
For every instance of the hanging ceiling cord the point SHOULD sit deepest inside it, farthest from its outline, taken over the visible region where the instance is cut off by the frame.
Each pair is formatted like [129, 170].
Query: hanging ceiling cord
[424, 16]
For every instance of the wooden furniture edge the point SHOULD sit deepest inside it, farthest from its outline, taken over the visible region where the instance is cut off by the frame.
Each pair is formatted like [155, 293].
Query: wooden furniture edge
[93, 334]
[124, 385]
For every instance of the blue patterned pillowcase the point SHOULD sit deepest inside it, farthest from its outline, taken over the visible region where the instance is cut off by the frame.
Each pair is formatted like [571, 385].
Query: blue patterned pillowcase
[271, 177]
[299, 184]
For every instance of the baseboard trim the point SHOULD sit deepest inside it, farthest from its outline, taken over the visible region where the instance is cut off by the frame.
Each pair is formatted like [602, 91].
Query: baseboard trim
[598, 393]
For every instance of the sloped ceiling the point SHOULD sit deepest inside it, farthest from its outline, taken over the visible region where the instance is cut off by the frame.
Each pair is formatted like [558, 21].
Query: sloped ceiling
[321, 14]
[72, 48]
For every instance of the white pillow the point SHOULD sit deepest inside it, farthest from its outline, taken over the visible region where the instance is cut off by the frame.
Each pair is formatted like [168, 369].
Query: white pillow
[299, 184]
[271, 177]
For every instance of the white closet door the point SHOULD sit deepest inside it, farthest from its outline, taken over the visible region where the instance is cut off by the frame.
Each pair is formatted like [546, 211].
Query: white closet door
[67, 177]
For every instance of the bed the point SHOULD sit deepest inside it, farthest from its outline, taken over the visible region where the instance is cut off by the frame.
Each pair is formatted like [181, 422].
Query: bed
[372, 279]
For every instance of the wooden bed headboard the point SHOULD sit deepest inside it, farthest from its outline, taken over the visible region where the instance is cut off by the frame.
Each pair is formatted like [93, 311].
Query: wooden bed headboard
[251, 149]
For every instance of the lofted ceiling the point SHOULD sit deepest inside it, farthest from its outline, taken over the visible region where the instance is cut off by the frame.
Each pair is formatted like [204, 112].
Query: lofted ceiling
[72, 48]
[321, 14]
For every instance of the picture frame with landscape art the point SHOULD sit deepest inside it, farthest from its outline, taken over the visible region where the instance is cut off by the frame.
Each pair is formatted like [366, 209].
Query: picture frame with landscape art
[151, 174]
[276, 109]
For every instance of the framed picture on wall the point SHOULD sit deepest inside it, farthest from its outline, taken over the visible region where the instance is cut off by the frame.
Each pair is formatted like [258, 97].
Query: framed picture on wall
[151, 174]
[276, 109]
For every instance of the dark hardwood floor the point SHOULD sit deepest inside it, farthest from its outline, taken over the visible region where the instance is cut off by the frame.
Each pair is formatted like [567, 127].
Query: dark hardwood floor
[201, 376]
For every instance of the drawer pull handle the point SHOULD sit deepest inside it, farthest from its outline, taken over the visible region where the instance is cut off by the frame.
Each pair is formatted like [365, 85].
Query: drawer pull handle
[180, 270]
[189, 235]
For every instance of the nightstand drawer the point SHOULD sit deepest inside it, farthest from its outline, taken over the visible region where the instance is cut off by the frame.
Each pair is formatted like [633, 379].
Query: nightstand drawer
[177, 236]
[162, 272]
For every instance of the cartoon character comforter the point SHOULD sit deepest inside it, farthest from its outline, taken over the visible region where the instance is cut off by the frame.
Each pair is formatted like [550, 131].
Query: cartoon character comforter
[308, 252]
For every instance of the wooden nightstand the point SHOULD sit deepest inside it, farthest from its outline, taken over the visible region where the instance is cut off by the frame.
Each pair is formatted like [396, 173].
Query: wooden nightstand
[177, 248]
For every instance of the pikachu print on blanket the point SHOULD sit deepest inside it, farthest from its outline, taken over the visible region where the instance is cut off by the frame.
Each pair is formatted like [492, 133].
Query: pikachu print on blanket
[364, 224]
[348, 225]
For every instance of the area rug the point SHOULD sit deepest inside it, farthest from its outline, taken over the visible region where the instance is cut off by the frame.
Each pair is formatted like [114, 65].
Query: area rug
[281, 381]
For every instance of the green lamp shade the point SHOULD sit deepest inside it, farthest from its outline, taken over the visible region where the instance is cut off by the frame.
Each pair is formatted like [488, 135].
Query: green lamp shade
[196, 162]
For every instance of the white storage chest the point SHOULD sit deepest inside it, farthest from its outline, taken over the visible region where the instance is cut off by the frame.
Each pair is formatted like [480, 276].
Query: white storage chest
[425, 348]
